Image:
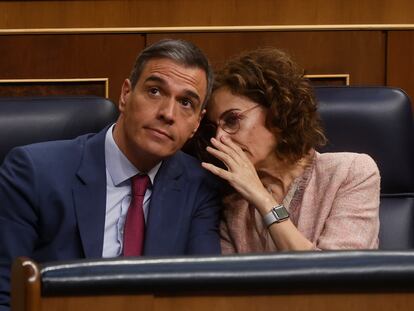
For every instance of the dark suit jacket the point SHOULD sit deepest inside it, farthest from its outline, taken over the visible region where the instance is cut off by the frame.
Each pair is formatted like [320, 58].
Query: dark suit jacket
[53, 200]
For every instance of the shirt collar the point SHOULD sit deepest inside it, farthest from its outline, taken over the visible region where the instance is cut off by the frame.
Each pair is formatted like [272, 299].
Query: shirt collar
[117, 164]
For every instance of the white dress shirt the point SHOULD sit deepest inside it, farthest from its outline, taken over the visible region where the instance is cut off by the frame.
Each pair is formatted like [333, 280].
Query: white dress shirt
[119, 170]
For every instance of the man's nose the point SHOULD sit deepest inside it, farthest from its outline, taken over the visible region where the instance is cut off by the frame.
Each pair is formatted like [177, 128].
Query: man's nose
[167, 110]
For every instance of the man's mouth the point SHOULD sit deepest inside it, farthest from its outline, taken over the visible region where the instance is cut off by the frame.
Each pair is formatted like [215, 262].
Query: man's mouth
[160, 133]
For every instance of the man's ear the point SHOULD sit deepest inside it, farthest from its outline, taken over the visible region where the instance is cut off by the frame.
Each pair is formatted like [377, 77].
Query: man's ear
[200, 117]
[125, 93]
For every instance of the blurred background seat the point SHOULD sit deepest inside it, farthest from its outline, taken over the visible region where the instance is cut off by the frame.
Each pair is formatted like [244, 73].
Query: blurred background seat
[26, 120]
[377, 121]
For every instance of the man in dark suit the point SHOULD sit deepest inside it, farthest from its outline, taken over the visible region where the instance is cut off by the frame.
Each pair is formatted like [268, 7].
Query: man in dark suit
[70, 199]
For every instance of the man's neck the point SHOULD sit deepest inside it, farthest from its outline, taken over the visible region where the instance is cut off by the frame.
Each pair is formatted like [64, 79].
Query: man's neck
[143, 161]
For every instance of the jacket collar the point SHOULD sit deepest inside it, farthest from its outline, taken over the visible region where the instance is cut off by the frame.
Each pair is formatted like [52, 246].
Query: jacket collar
[166, 208]
[89, 194]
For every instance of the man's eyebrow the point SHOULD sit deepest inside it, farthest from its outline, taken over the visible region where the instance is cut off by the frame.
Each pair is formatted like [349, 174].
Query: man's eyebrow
[193, 95]
[155, 79]
[188, 93]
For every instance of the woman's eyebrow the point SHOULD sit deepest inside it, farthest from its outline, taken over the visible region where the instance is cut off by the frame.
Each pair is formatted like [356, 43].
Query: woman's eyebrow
[228, 111]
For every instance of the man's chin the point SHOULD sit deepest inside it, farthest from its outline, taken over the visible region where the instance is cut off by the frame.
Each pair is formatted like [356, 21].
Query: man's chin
[146, 158]
[160, 152]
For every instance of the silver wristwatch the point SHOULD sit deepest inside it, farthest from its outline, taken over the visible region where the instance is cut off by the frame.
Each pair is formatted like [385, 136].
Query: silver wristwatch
[277, 214]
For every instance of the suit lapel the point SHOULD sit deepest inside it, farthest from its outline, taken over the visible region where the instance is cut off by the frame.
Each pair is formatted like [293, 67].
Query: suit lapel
[166, 208]
[89, 193]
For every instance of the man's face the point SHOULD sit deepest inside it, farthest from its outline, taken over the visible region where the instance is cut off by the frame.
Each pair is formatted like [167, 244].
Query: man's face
[161, 112]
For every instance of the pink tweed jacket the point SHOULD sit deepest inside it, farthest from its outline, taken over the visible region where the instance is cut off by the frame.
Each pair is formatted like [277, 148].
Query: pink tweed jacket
[335, 204]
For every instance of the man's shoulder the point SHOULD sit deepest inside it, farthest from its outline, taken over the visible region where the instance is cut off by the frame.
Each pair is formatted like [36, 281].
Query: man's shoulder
[50, 148]
[59, 153]
[190, 164]
[193, 170]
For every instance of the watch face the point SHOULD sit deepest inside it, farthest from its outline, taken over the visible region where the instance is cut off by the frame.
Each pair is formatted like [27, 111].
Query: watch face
[277, 214]
[281, 212]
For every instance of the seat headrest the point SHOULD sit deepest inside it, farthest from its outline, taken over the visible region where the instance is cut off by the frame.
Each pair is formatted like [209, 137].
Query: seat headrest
[373, 120]
[26, 120]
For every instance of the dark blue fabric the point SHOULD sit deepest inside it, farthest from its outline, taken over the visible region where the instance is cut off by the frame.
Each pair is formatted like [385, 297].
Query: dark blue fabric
[53, 198]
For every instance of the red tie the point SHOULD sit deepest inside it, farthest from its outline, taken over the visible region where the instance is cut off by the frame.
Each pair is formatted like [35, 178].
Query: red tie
[135, 223]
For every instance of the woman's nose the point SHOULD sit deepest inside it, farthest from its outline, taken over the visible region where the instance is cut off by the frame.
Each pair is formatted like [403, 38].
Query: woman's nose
[219, 133]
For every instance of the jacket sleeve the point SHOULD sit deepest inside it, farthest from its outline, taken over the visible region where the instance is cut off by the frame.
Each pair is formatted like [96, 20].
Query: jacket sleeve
[353, 222]
[204, 236]
[18, 217]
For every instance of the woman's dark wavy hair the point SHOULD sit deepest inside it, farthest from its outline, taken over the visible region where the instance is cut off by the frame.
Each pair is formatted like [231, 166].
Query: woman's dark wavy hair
[270, 78]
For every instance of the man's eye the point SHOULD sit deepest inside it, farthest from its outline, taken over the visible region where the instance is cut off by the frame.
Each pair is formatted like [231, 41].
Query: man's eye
[186, 102]
[154, 91]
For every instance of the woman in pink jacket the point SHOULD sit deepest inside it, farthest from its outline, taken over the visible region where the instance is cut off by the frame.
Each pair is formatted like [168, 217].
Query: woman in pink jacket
[284, 195]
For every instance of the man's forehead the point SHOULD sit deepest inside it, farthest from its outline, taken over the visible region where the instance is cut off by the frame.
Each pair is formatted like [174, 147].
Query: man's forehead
[166, 65]
[171, 72]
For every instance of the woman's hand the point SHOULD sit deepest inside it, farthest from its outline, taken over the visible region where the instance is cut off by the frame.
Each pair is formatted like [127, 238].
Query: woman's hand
[240, 173]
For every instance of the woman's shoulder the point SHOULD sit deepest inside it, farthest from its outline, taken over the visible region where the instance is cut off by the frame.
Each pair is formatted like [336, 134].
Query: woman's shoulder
[344, 159]
[347, 162]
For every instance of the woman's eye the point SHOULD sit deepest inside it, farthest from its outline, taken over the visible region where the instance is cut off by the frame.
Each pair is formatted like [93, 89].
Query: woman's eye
[232, 119]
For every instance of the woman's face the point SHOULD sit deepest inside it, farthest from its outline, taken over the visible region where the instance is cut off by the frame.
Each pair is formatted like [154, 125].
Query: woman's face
[245, 120]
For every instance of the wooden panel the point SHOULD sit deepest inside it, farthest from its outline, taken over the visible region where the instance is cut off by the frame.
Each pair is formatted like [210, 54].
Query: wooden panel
[150, 13]
[361, 54]
[70, 56]
[329, 79]
[99, 302]
[400, 64]
[13, 88]
[241, 302]
[289, 302]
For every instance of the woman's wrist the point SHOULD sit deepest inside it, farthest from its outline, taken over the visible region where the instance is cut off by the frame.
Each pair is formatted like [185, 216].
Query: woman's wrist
[265, 202]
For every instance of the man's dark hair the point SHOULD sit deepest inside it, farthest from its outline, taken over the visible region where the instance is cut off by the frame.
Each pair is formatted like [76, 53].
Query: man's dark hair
[180, 51]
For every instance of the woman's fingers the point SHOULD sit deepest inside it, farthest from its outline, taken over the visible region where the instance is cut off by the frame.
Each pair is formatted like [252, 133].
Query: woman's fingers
[232, 151]
[222, 156]
[227, 141]
[226, 175]
[233, 157]
[241, 173]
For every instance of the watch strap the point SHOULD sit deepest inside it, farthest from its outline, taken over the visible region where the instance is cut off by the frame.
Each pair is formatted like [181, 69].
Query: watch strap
[277, 214]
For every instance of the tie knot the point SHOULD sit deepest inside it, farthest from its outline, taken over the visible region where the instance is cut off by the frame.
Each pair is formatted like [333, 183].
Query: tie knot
[139, 184]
